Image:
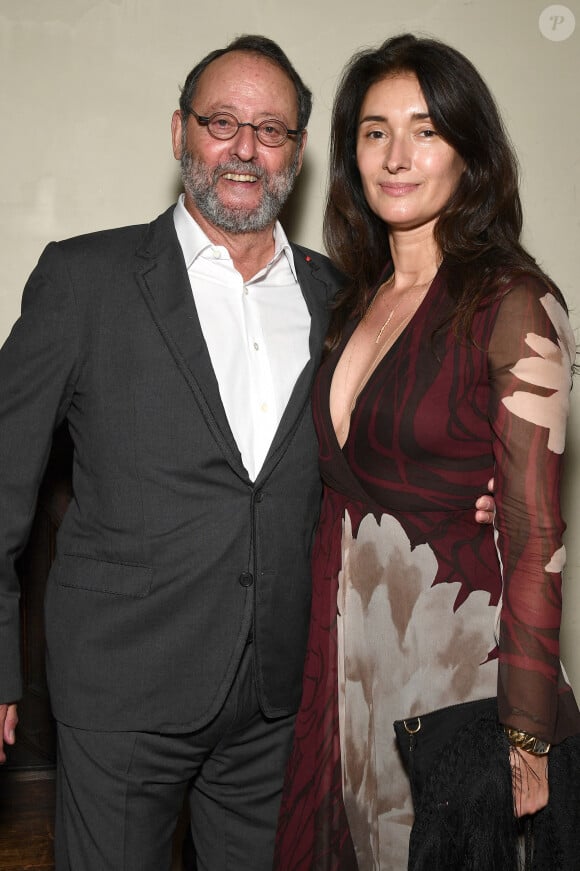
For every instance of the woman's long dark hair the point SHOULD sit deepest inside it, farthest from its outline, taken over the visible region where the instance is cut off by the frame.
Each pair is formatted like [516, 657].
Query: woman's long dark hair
[478, 233]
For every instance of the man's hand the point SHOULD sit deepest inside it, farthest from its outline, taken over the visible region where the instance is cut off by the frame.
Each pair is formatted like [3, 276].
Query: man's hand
[8, 721]
[485, 505]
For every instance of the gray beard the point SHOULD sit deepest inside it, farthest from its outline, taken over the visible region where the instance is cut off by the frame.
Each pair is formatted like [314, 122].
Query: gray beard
[200, 183]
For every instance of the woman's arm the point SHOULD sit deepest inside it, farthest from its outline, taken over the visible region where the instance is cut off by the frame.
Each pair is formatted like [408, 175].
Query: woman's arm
[530, 356]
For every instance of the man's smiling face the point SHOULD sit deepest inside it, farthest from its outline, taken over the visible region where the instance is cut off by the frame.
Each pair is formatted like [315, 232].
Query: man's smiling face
[238, 185]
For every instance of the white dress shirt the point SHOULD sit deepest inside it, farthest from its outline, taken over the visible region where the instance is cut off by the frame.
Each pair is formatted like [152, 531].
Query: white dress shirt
[257, 333]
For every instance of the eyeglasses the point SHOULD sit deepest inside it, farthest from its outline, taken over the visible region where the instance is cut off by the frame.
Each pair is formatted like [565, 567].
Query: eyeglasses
[222, 125]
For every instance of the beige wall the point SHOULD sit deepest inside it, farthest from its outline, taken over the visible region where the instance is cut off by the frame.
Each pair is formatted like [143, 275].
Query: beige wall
[87, 88]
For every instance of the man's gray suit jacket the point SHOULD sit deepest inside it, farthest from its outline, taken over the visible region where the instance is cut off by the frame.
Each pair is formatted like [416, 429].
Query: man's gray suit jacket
[169, 558]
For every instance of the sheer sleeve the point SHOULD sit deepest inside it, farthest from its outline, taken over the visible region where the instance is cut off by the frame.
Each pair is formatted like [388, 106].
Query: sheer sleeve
[530, 364]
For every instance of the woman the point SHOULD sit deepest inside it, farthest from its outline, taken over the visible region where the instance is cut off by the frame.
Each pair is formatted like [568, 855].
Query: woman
[449, 359]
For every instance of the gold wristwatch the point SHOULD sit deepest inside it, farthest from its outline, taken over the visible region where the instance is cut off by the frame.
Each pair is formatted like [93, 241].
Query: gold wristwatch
[525, 741]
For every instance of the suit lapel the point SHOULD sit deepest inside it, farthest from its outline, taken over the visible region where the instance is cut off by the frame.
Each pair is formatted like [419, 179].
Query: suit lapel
[317, 294]
[165, 285]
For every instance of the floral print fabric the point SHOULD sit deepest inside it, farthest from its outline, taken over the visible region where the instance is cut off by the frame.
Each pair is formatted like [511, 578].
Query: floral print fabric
[401, 647]
[415, 606]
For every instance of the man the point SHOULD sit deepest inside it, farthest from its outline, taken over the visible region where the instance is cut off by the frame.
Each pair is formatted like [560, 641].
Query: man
[182, 355]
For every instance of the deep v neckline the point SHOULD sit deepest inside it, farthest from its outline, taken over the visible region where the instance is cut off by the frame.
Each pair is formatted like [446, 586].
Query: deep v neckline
[377, 364]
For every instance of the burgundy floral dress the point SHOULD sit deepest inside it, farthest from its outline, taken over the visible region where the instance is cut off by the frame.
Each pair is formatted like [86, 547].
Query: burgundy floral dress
[414, 605]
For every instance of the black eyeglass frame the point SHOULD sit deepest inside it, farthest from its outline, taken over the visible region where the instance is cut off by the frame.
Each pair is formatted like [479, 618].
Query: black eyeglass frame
[205, 121]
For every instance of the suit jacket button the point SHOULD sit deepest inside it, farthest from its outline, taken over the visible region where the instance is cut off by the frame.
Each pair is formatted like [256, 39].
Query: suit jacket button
[259, 496]
[246, 579]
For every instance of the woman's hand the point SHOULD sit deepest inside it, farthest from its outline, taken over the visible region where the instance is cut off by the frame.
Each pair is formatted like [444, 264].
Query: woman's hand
[529, 781]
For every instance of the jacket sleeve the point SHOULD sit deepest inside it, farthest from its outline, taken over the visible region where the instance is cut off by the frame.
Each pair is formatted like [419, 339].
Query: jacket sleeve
[38, 365]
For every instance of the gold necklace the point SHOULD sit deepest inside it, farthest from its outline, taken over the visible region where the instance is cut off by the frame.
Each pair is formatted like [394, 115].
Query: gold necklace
[387, 322]
[413, 290]
[370, 368]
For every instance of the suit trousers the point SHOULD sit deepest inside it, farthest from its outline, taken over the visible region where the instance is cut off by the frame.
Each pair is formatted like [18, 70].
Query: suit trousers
[119, 794]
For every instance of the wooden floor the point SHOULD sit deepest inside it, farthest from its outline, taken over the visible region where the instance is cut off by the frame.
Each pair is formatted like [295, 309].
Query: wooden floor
[26, 822]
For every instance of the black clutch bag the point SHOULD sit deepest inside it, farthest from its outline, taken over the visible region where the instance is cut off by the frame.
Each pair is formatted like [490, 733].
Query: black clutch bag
[457, 760]
[458, 763]
[424, 739]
